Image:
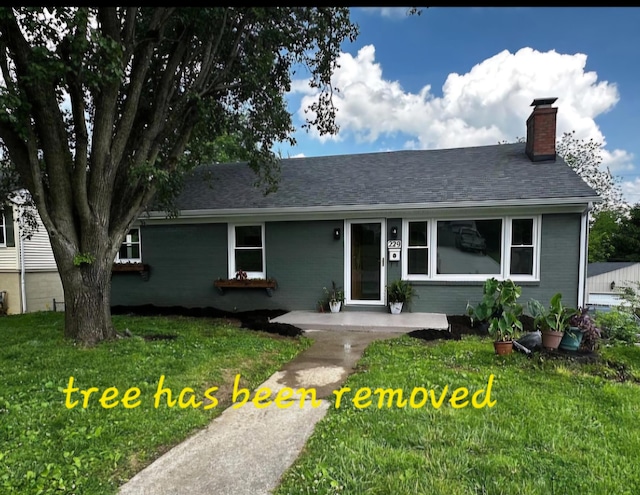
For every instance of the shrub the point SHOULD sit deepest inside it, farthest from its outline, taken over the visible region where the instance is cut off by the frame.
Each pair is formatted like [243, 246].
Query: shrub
[617, 326]
[590, 332]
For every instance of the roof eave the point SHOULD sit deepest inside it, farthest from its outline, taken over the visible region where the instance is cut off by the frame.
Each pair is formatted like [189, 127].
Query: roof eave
[350, 209]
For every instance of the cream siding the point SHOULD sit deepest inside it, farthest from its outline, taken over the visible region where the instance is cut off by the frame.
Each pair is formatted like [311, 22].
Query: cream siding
[41, 289]
[601, 284]
[9, 259]
[37, 251]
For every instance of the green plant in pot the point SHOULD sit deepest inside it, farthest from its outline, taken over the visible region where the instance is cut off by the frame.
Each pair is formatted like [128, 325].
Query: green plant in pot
[505, 326]
[583, 332]
[399, 292]
[488, 308]
[334, 297]
[552, 321]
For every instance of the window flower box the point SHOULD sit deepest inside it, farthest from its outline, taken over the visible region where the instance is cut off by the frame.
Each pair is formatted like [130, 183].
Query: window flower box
[141, 268]
[247, 283]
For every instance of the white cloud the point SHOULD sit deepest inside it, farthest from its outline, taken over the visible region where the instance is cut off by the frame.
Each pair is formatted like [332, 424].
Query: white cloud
[618, 161]
[389, 12]
[299, 155]
[631, 191]
[488, 104]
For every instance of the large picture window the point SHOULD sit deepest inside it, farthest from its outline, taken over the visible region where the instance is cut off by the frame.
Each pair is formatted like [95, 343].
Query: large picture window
[246, 250]
[471, 248]
[131, 250]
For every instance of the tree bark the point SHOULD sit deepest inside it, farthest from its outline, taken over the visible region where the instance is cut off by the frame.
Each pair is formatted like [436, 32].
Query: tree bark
[87, 300]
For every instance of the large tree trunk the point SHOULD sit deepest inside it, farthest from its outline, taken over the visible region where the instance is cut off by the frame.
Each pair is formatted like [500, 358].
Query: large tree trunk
[87, 299]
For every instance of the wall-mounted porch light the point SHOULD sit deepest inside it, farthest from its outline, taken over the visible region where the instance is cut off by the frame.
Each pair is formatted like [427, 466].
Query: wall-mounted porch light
[336, 233]
[394, 232]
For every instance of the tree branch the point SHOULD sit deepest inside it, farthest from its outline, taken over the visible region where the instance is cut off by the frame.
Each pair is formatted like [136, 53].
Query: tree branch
[47, 117]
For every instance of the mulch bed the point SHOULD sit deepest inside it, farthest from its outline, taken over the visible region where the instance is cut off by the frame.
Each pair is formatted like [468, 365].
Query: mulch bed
[461, 325]
[259, 320]
[252, 320]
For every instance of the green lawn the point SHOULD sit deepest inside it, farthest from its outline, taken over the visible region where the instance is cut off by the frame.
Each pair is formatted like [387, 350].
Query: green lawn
[46, 448]
[556, 427]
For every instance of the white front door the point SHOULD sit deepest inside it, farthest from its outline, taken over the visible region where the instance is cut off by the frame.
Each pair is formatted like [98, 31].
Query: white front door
[365, 262]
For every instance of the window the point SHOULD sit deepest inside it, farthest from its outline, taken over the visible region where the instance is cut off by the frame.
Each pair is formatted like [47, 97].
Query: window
[130, 250]
[246, 250]
[522, 246]
[3, 236]
[471, 248]
[418, 249]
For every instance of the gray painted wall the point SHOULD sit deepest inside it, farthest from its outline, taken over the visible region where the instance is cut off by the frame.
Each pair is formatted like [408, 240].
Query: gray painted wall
[186, 259]
[303, 257]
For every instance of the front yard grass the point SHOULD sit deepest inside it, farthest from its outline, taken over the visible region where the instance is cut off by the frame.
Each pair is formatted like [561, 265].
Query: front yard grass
[557, 427]
[46, 448]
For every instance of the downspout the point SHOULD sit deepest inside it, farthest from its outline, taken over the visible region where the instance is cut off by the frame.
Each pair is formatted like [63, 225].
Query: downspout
[584, 247]
[23, 291]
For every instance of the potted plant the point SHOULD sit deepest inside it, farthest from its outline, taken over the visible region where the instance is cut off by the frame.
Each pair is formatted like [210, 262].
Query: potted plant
[582, 333]
[399, 292]
[334, 297]
[505, 323]
[552, 321]
[481, 314]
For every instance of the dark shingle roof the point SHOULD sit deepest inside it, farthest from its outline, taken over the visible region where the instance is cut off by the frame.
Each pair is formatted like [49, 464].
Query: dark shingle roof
[482, 173]
[601, 267]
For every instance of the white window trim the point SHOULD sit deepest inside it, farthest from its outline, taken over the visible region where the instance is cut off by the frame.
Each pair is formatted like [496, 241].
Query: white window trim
[405, 251]
[4, 229]
[505, 258]
[127, 240]
[536, 249]
[231, 250]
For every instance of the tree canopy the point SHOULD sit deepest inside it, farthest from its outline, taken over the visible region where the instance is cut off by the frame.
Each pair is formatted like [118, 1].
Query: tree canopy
[104, 108]
[585, 157]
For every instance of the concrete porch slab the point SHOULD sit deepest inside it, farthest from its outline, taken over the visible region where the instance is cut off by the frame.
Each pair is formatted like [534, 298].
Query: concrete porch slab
[364, 321]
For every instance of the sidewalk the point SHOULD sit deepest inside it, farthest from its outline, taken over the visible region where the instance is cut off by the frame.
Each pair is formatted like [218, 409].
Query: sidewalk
[245, 451]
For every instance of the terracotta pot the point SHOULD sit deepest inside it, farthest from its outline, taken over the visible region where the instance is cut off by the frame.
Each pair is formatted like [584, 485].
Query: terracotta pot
[503, 347]
[551, 339]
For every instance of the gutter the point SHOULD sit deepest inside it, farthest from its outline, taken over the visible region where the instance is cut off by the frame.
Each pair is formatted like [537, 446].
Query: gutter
[388, 208]
[23, 290]
[584, 251]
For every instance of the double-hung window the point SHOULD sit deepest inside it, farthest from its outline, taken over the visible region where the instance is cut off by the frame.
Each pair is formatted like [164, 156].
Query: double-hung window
[522, 247]
[418, 249]
[131, 249]
[246, 250]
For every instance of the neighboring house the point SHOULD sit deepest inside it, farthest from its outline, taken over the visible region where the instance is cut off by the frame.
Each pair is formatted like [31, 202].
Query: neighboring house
[28, 271]
[606, 279]
[446, 220]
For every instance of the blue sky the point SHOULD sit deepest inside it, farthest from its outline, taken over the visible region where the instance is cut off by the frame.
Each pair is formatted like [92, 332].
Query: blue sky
[466, 76]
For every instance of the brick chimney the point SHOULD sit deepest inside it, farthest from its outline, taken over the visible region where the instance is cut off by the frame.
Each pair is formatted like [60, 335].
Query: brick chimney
[541, 131]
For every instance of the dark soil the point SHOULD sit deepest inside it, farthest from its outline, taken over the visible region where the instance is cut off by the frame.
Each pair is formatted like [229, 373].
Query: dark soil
[461, 325]
[259, 320]
[252, 320]
[159, 336]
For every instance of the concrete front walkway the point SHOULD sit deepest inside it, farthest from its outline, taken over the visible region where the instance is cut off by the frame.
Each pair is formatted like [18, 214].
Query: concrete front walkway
[246, 450]
[364, 321]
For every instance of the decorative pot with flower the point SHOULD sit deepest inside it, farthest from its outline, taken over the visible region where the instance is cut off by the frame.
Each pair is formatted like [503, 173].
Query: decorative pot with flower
[334, 297]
